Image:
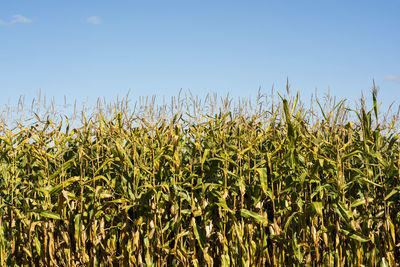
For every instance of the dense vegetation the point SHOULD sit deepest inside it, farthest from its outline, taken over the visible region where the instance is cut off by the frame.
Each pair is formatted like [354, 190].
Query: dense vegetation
[231, 187]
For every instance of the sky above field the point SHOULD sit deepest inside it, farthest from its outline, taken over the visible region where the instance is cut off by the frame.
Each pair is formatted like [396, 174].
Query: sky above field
[106, 48]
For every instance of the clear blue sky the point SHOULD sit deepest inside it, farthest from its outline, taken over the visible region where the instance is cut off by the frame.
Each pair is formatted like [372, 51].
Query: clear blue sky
[104, 48]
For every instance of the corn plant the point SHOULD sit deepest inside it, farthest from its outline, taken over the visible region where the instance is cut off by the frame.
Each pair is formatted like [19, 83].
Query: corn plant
[227, 186]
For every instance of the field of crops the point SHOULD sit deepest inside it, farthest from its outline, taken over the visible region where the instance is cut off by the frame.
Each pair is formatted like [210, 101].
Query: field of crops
[243, 184]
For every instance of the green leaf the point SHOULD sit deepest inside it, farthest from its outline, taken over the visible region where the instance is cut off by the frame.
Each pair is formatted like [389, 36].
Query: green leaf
[37, 245]
[296, 248]
[49, 214]
[317, 206]
[205, 154]
[65, 166]
[56, 189]
[392, 193]
[287, 223]
[384, 262]
[354, 235]
[343, 211]
[77, 226]
[196, 233]
[360, 201]
[250, 214]
[225, 260]
[263, 178]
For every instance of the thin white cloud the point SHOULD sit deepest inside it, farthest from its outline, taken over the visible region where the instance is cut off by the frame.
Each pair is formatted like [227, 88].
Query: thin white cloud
[94, 20]
[393, 78]
[16, 19]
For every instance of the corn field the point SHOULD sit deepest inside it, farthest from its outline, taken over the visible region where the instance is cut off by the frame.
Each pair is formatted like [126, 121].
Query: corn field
[191, 184]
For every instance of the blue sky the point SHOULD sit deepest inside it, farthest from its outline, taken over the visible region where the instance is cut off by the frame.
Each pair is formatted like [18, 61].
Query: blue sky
[105, 48]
